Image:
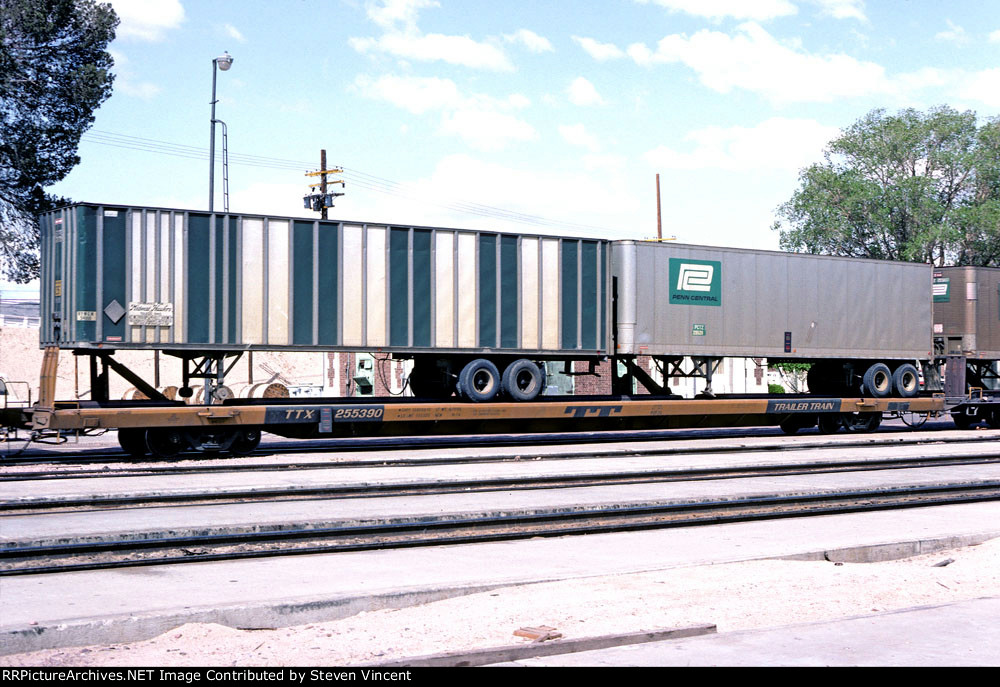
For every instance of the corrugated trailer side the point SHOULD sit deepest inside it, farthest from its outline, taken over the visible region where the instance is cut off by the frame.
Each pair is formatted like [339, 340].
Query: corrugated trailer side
[967, 311]
[133, 277]
[718, 302]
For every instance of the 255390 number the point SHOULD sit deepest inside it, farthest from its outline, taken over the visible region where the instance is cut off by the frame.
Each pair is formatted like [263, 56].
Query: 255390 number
[358, 413]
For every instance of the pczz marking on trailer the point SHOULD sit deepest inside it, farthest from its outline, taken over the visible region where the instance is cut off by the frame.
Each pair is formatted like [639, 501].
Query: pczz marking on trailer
[325, 415]
[599, 411]
[803, 406]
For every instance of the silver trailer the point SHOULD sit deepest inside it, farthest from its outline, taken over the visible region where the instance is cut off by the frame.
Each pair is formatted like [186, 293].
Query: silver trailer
[682, 300]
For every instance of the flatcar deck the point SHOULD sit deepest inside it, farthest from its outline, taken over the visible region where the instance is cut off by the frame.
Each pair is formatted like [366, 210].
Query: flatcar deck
[377, 416]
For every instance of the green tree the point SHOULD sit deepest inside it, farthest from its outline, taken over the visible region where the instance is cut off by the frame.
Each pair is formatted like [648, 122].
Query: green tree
[54, 72]
[921, 187]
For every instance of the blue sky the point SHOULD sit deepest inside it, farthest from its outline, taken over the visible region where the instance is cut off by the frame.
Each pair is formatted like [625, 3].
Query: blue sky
[541, 117]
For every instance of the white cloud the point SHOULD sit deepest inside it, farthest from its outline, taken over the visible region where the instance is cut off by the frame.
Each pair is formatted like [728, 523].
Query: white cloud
[777, 143]
[600, 51]
[737, 9]
[125, 81]
[529, 39]
[234, 33]
[983, 86]
[554, 194]
[402, 39]
[577, 134]
[754, 60]
[416, 94]
[432, 47]
[582, 92]
[482, 121]
[397, 14]
[486, 129]
[843, 9]
[147, 20]
[954, 34]
[995, 36]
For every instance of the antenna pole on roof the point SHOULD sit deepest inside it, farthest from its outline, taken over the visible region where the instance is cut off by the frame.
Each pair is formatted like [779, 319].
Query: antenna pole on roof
[659, 222]
[322, 185]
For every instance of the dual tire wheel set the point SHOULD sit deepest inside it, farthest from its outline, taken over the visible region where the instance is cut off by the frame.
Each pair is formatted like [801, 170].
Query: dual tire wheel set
[879, 381]
[480, 380]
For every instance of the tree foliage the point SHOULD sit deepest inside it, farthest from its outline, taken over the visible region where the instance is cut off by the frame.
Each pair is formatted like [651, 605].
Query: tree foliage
[54, 72]
[921, 187]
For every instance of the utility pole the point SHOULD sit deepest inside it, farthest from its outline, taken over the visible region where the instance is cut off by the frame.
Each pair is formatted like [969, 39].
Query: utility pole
[322, 185]
[323, 199]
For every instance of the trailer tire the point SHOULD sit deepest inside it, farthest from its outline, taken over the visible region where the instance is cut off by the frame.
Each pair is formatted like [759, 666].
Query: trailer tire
[906, 381]
[479, 381]
[523, 380]
[877, 381]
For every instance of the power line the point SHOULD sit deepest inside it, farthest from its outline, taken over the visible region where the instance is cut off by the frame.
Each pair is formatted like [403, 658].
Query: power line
[356, 177]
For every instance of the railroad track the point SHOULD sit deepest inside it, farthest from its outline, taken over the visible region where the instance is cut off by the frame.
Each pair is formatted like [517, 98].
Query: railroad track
[29, 505]
[10, 457]
[115, 465]
[278, 542]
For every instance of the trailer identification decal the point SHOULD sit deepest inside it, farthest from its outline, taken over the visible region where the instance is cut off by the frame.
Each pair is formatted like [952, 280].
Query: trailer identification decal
[695, 282]
[150, 314]
[803, 406]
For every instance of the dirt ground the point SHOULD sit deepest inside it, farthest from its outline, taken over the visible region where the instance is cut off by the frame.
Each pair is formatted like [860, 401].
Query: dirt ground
[733, 596]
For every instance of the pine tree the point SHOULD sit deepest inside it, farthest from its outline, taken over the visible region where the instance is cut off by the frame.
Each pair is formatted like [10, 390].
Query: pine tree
[54, 72]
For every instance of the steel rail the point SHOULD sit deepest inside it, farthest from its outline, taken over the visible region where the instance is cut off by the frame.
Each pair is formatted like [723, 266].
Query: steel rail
[155, 468]
[521, 482]
[34, 560]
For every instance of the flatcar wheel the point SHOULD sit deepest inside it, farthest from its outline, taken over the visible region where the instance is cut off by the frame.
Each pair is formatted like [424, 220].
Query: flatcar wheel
[993, 418]
[246, 441]
[829, 423]
[523, 380]
[793, 423]
[861, 422]
[789, 426]
[479, 380]
[963, 421]
[906, 381]
[133, 442]
[878, 380]
[165, 443]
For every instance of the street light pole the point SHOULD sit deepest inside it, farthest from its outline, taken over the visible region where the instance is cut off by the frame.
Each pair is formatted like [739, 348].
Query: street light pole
[223, 62]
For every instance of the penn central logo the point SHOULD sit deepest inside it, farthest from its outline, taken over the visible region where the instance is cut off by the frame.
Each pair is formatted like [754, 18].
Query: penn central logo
[695, 277]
